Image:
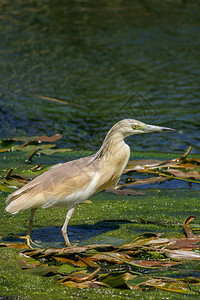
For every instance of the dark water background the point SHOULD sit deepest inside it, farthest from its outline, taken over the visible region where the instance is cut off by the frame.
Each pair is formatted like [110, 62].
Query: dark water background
[113, 59]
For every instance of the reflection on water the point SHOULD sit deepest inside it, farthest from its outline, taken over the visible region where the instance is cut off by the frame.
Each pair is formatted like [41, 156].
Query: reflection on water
[115, 59]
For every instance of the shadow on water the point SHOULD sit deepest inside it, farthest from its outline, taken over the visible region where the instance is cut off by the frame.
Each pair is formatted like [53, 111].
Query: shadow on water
[51, 236]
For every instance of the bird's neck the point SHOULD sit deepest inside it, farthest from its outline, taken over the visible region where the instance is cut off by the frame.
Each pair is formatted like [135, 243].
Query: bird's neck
[114, 158]
[112, 145]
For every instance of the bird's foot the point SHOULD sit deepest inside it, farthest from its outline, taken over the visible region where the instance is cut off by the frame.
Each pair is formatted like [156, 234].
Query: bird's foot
[69, 245]
[28, 240]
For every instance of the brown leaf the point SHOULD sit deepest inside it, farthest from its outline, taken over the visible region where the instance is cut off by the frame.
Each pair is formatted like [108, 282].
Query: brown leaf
[187, 166]
[187, 228]
[37, 168]
[124, 191]
[82, 285]
[152, 242]
[146, 181]
[53, 138]
[184, 244]
[195, 161]
[135, 165]
[65, 252]
[181, 174]
[65, 260]
[80, 277]
[101, 247]
[14, 245]
[153, 263]
[58, 101]
[89, 262]
[106, 258]
[177, 167]
[36, 252]
[8, 173]
[143, 240]
[78, 261]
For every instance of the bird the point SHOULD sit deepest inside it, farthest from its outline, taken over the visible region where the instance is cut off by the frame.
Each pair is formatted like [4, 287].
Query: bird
[70, 183]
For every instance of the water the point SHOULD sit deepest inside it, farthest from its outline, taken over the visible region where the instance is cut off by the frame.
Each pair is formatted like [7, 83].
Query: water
[106, 61]
[115, 60]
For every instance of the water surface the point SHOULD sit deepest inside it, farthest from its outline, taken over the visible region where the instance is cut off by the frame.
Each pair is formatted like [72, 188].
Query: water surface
[106, 61]
[120, 59]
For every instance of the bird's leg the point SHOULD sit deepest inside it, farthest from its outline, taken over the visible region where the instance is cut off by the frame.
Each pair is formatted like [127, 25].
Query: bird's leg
[64, 228]
[28, 235]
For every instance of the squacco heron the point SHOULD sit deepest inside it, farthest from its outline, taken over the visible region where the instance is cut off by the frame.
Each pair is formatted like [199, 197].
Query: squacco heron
[68, 184]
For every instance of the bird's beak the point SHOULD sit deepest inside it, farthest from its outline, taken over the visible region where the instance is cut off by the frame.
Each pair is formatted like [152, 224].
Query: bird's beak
[152, 128]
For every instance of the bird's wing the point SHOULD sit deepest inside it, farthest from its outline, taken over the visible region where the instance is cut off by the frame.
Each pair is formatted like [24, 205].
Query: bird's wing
[53, 186]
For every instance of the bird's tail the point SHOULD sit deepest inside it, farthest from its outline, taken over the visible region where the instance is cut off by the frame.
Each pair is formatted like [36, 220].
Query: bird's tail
[18, 201]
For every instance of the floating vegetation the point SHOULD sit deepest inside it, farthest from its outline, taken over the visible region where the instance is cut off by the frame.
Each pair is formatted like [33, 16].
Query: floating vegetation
[149, 261]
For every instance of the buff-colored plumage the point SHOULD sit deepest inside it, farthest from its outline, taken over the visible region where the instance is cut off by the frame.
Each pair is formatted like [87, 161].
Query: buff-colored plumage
[68, 184]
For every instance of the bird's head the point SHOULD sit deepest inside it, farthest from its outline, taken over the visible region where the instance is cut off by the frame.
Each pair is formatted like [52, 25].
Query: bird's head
[121, 130]
[128, 127]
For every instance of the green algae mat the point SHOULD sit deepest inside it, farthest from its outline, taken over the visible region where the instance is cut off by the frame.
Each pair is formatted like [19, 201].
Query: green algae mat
[139, 240]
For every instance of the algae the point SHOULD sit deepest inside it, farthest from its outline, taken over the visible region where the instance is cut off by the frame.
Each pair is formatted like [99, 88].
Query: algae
[107, 219]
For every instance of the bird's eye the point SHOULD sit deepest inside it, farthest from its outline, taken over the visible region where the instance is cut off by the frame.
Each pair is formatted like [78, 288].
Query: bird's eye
[134, 127]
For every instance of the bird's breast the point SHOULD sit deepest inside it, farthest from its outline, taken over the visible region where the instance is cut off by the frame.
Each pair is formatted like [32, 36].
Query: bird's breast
[112, 167]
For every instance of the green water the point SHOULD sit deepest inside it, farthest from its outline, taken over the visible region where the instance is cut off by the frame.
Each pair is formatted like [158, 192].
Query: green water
[112, 60]
[107, 219]
[118, 59]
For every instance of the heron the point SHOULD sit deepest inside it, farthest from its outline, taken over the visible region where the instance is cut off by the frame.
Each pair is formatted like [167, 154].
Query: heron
[70, 183]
